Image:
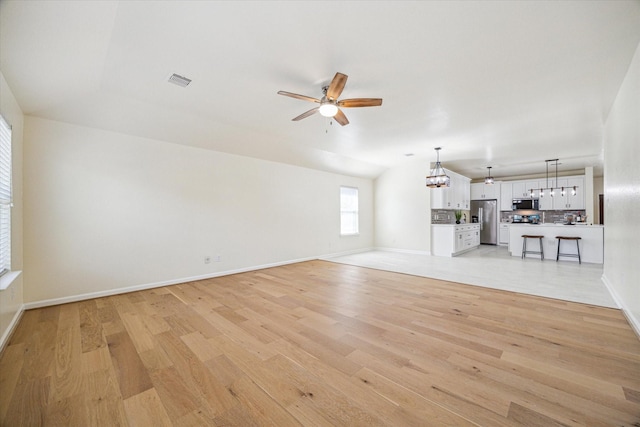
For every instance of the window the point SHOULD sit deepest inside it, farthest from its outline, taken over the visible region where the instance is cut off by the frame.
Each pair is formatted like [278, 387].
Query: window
[348, 211]
[5, 196]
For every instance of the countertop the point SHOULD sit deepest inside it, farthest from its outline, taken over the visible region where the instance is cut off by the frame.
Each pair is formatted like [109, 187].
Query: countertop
[554, 225]
[451, 225]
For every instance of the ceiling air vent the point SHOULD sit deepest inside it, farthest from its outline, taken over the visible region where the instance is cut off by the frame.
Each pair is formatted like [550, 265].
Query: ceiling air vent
[179, 80]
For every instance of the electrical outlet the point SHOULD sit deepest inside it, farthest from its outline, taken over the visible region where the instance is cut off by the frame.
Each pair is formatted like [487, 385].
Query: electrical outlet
[218, 258]
[207, 260]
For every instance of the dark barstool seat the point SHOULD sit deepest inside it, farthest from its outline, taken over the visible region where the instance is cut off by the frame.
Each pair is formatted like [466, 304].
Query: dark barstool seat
[577, 240]
[524, 245]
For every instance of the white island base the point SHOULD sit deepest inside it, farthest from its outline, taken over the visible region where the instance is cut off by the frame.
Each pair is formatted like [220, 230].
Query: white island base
[591, 243]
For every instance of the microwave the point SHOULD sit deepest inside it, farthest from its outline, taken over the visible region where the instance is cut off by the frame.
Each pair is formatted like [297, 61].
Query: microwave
[525, 204]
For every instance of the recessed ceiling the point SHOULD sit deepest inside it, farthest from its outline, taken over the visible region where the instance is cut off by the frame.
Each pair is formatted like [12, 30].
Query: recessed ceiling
[502, 84]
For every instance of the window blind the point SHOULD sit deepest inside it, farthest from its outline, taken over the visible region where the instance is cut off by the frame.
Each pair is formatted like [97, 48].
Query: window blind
[5, 196]
[348, 210]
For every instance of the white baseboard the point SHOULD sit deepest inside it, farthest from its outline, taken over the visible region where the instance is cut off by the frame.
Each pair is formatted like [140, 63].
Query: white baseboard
[12, 325]
[633, 320]
[338, 254]
[110, 292]
[403, 251]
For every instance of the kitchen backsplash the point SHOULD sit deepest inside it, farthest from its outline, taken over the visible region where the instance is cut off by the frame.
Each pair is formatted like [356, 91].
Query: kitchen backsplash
[442, 217]
[447, 216]
[546, 216]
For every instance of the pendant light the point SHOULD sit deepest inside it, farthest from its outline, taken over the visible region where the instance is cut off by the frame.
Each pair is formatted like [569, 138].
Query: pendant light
[489, 178]
[552, 189]
[438, 176]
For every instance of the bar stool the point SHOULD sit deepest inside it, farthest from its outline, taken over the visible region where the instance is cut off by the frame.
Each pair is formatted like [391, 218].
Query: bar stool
[524, 245]
[577, 240]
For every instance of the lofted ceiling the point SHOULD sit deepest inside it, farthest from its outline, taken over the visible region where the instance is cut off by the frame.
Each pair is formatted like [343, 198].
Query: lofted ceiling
[501, 84]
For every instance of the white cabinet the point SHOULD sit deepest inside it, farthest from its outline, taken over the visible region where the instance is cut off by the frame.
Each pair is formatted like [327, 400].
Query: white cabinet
[481, 191]
[451, 240]
[440, 198]
[569, 200]
[522, 189]
[464, 197]
[506, 196]
[456, 196]
[503, 233]
[545, 201]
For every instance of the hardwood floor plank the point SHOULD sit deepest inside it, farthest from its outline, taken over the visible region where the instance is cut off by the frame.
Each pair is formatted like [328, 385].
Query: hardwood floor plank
[90, 326]
[29, 403]
[258, 404]
[140, 336]
[212, 395]
[131, 373]
[528, 417]
[11, 362]
[547, 393]
[307, 397]
[67, 411]
[411, 408]
[146, 410]
[103, 400]
[581, 379]
[318, 343]
[201, 346]
[174, 393]
[96, 360]
[67, 372]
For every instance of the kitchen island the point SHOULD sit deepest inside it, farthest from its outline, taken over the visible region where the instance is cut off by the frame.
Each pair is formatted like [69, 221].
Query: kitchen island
[591, 243]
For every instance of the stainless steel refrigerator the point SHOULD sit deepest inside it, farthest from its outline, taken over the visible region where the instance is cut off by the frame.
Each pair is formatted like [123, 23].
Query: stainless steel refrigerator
[487, 213]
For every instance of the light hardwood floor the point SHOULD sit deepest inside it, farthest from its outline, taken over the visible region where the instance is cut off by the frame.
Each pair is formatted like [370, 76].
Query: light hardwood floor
[320, 343]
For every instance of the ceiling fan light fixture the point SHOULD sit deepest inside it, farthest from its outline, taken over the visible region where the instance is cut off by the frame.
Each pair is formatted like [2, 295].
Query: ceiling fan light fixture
[328, 109]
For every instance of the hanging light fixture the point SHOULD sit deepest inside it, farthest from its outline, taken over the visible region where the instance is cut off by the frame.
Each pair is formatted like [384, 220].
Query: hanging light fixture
[553, 189]
[489, 178]
[438, 176]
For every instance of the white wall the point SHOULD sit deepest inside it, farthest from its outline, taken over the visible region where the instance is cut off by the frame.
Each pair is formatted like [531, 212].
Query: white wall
[108, 211]
[402, 208]
[11, 299]
[622, 195]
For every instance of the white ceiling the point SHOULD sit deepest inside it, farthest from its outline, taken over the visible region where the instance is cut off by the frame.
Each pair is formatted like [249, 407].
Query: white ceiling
[502, 84]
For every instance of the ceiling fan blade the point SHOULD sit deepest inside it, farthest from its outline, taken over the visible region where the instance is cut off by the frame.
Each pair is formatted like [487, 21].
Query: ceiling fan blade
[341, 118]
[360, 102]
[336, 86]
[295, 95]
[306, 114]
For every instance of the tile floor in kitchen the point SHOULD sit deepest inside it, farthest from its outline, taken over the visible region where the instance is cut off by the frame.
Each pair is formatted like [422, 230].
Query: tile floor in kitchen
[492, 266]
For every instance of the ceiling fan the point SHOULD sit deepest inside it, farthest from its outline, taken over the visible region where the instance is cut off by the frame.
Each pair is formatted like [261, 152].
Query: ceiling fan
[329, 104]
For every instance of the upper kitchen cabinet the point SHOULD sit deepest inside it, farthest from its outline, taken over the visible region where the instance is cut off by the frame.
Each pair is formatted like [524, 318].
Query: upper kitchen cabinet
[462, 199]
[441, 197]
[506, 196]
[456, 196]
[522, 189]
[569, 200]
[482, 191]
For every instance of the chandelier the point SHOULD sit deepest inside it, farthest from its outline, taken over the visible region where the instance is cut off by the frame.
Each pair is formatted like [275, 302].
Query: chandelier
[438, 176]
